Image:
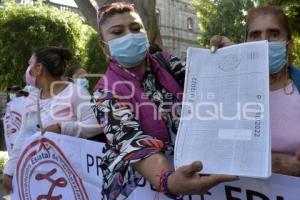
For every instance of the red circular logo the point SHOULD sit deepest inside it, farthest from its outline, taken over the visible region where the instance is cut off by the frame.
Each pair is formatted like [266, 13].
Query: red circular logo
[44, 173]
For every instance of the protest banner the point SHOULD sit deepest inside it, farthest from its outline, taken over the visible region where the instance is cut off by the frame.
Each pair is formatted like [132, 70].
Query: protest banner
[12, 121]
[63, 167]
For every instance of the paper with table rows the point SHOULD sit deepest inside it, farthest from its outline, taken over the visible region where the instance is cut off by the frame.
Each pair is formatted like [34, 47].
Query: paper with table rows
[225, 112]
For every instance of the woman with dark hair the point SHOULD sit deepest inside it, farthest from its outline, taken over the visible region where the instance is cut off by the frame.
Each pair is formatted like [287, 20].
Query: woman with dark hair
[136, 106]
[270, 23]
[55, 107]
[77, 75]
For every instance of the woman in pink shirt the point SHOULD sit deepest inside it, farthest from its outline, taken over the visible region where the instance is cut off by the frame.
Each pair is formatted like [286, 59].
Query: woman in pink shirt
[270, 23]
[56, 106]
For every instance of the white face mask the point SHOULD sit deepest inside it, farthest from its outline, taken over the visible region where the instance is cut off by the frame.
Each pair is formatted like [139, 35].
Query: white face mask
[12, 96]
[83, 82]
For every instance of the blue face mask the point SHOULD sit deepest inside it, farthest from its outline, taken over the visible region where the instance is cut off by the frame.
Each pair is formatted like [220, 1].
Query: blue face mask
[277, 56]
[83, 82]
[129, 50]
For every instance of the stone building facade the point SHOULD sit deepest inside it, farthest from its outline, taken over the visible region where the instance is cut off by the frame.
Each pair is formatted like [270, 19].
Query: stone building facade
[68, 6]
[178, 24]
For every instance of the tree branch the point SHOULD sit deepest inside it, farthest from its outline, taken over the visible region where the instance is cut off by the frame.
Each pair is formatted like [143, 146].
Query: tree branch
[89, 12]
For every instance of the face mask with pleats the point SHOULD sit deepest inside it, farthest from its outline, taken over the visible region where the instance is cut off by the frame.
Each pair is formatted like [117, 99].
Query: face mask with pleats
[130, 50]
[30, 80]
[277, 56]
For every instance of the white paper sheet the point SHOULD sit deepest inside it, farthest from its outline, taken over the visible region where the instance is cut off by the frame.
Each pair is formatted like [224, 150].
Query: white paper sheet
[225, 112]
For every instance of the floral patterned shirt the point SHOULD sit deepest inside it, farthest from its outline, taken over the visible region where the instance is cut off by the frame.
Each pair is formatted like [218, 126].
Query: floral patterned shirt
[127, 143]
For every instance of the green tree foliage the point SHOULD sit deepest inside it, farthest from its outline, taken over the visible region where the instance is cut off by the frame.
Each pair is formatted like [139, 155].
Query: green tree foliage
[96, 62]
[296, 49]
[24, 28]
[3, 159]
[222, 17]
[227, 17]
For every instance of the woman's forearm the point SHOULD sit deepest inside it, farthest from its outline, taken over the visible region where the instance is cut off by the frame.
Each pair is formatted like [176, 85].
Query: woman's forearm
[151, 167]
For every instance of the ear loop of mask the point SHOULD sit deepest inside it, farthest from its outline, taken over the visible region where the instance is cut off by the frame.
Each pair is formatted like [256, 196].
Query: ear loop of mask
[287, 74]
[102, 41]
[107, 45]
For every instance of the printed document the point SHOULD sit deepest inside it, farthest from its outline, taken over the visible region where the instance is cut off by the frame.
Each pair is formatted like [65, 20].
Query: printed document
[225, 112]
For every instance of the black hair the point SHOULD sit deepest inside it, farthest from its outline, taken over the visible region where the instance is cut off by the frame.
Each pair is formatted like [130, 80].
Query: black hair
[154, 48]
[70, 71]
[54, 59]
[109, 10]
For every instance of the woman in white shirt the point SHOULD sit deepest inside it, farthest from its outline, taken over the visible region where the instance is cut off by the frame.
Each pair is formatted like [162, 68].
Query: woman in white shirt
[77, 75]
[60, 107]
